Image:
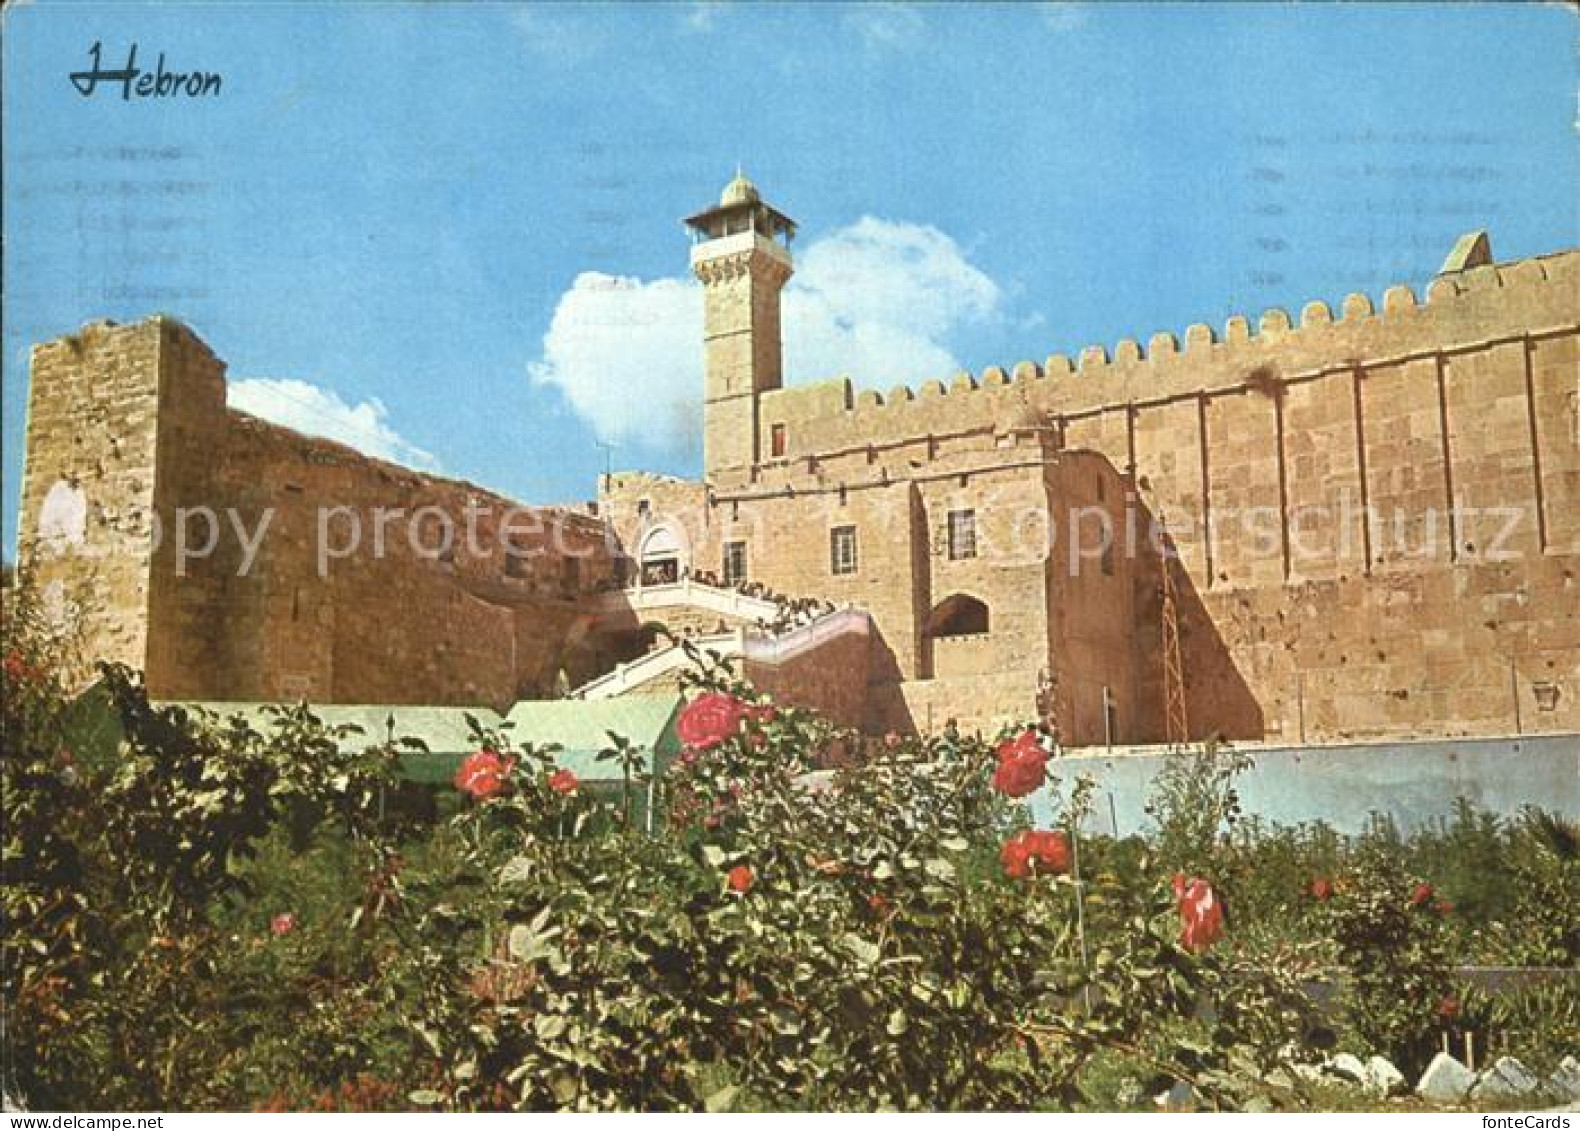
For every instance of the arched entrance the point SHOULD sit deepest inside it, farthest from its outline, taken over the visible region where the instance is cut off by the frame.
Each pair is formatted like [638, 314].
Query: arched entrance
[662, 555]
[957, 615]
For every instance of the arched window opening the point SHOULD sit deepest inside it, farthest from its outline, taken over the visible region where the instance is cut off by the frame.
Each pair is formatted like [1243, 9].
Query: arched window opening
[958, 615]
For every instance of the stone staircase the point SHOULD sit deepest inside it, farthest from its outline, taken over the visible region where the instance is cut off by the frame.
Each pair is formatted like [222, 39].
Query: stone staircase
[750, 645]
[688, 594]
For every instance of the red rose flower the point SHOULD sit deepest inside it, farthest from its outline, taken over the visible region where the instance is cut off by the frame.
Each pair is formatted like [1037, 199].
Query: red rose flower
[1448, 1009]
[482, 774]
[1321, 889]
[1444, 907]
[15, 666]
[879, 905]
[1035, 852]
[1022, 766]
[710, 719]
[1201, 913]
[1421, 894]
[741, 879]
[563, 781]
[1023, 745]
[282, 924]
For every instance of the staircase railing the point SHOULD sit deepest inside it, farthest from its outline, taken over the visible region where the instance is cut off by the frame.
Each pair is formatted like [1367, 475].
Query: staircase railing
[749, 643]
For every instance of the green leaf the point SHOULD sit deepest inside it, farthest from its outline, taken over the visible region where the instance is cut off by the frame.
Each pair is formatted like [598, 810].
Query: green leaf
[864, 952]
[425, 1096]
[721, 1100]
[898, 1023]
[713, 856]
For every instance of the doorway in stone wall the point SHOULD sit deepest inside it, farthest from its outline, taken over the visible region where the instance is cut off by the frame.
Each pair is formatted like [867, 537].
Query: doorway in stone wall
[663, 556]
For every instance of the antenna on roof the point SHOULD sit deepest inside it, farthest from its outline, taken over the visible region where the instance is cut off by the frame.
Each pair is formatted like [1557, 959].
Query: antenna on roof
[608, 459]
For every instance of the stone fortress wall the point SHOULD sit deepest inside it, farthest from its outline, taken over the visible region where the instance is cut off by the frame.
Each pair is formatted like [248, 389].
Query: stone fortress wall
[128, 424]
[1377, 519]
[1453, 609]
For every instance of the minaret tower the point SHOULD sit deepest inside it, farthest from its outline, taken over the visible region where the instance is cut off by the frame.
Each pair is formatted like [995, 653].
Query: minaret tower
[741, 253]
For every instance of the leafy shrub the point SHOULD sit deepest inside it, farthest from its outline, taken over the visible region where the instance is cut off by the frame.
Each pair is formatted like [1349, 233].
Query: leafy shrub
[1389, 930]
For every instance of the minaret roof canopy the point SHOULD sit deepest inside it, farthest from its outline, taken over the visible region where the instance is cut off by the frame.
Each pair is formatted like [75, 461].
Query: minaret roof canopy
[741, 200]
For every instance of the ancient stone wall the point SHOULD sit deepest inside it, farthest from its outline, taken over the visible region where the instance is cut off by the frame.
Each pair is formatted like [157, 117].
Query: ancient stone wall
[104, 467]
[133, 419]
[1377, 514]
[829, 679]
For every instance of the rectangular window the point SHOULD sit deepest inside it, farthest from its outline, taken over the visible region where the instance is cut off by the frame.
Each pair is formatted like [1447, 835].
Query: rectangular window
[962, 535]
[776, 440]
[734, 563]
[842, 550]
[643, 508]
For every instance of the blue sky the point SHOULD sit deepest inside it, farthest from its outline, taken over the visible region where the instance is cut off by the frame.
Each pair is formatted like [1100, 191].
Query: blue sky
[450, 234]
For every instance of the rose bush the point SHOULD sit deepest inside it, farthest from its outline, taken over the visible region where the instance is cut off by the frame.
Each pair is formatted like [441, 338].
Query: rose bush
[221, 917]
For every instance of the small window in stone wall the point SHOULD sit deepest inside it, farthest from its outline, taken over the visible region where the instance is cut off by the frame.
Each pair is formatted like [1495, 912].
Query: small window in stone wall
[842, 550]
[734, 563]
[962, 535]
[643, 508]
[777, 442]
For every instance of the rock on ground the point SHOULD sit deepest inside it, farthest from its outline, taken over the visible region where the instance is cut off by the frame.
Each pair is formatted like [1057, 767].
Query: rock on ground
[1507, 1079]
[1445, 1081]
[1348, 1066]
[1382, 1078]
[1565, 1081]
[1180, 1097]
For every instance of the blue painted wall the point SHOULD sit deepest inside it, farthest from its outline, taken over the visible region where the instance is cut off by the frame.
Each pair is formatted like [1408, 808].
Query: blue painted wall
[1414, 782]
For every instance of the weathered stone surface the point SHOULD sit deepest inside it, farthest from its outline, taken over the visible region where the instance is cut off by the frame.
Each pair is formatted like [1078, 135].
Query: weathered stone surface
[1506, 1079]
[1382, 1078]
[1305, 475]
[1347, 1066]
[1179, 1097]
[1446, 1081]
[1565, 1081]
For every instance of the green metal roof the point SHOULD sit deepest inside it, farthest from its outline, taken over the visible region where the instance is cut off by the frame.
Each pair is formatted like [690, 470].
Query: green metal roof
[441, 729]
[582, 728]
[579, 727]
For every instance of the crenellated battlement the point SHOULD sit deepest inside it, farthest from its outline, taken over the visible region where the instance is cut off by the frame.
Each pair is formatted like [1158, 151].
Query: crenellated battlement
[1460, 310]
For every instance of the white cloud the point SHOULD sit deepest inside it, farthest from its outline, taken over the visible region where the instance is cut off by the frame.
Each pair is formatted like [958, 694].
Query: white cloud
[876, 301]
[321, 412]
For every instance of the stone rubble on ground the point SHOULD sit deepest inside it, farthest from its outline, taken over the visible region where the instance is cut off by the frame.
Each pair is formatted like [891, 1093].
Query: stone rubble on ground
[1180, 1097]
[1507, 1079]
[1564, 1083]
[1383, 1079]
[1445, 1081]
[1309, 1073]
[1347, 1066]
